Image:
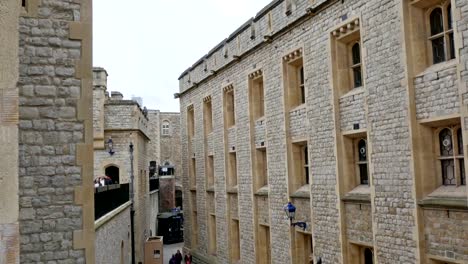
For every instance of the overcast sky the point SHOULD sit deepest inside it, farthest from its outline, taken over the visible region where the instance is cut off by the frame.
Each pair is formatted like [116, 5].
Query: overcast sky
[146, 44]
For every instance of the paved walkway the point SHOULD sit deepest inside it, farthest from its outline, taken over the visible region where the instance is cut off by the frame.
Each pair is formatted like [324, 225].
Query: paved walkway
[168, 250]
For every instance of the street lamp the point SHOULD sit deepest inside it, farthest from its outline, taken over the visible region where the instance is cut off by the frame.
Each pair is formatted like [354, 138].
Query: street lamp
[110, 146]
[290, 211]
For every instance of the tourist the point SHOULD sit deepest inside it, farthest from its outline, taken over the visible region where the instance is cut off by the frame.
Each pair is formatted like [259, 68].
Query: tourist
[178, 257]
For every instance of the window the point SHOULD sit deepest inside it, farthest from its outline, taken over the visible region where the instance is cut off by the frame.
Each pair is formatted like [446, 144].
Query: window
[235, 239]
[232, 170]
[303, 245]
[209, 172]
[165, 128]
[23, 3]
[361, 161]
[192, 173]
[368, 256]
[113, 173]
[260, 169]
[256, 95]
[229, 116]
[356, 65]
[212, 234]
[451, 157]
[299, 171]
[346, 57]
[263, 245]
[208, 115]
[190, 122]
[441, 34]
[293, 73]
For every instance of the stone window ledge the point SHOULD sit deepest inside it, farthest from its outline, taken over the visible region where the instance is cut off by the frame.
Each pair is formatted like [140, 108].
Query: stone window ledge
[360, 194]
[438, 67]
[210, 189]
[232, 189]
[302, 192]
[353, 91]
[262, 191]
[447, 197]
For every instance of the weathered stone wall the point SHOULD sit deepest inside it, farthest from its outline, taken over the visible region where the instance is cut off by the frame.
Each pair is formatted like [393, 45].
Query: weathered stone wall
[359, 223]
[260, 133]
[154, 210]
[298, 123]
[446, 234]
[154, 130]
[9, 228]
[352, 111]
[113, 243]
[55, 135]
[120, 158]
[437, 92]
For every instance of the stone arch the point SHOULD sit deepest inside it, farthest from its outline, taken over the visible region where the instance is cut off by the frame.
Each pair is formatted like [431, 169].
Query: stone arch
[113, 172]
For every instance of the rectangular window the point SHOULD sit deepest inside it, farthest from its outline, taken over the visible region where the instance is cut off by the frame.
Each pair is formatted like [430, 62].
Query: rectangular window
[229, 110]
[232, 169]
[194, 229]
[346, 57]
[299, 169]
[235, 239]
[293, 72]
[212, 234]
[192, 173]
[208, 116]
[451, 156]
[256, 93]
[361, 160]
[263, 245]
[209, 172]
[260, 168]
[190, 122]
[303, 247]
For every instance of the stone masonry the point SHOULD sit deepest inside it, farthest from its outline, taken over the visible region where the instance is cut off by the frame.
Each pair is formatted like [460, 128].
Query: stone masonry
[405, 212]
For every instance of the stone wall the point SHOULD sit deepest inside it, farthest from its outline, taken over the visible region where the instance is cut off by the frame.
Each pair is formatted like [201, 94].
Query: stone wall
[154, 210]
[390, 221]
[170, 145]
[113, 243]
[55, 134]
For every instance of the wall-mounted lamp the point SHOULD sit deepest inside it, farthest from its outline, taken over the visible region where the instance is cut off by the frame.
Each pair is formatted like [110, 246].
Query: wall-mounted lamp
[110, 146]
[290, 211]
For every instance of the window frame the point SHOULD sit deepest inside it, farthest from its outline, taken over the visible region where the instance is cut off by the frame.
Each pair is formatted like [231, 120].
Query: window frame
[447, 32]
[457, 155]
[353, 66]
[165, 131]
[358, 162]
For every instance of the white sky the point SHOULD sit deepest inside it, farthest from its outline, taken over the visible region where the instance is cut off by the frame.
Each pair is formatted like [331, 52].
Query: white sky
[146, 44]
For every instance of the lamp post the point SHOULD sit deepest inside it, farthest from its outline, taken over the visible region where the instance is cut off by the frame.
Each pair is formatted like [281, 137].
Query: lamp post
[290, 211]
[132, 208]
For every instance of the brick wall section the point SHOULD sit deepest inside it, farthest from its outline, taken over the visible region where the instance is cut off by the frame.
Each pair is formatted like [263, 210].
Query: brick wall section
[359, 223]
[446, 234]
[109, 239]
[437, 93]
[49, 134]
[298, 123]
[352, 111]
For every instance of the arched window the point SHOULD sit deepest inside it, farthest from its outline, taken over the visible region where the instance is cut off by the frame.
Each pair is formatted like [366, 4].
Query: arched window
[368, 256]
[113, 173]
[165, 128]
[356, 65]
[441, 34]
[362, 161]
[452, 163]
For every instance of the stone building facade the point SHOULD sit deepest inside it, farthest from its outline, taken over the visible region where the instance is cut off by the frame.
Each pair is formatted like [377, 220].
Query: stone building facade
[355, 111]
[123, 122]
[46, 132]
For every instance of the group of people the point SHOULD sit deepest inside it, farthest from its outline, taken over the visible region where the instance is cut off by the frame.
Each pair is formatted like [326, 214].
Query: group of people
[102, 181]
[177, 258]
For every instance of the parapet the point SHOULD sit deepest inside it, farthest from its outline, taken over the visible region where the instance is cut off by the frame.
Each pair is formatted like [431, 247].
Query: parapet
[273, 20]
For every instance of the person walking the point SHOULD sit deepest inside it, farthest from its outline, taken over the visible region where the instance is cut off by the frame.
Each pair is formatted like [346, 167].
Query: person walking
[178, 257]
[172, 260]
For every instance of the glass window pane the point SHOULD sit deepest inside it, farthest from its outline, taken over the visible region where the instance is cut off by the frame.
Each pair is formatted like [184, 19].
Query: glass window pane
[452, 46]
[460, 141]
[449, 16]
[356, 54]
[438, 52]
[437, 22]
[363, 173]
[448, 175]
[368, 256]
[445, 142]
[357, 77]
[362, 148]
[301, 75]
[462, 171]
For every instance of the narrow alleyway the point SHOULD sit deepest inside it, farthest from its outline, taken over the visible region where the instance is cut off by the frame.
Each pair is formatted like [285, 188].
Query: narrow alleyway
[171, 249]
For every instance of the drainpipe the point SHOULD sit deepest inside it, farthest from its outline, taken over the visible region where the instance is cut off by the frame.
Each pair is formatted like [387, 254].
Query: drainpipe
[132, 208]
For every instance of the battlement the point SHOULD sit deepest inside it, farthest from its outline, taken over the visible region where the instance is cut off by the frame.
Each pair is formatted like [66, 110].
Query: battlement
[273, 20]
